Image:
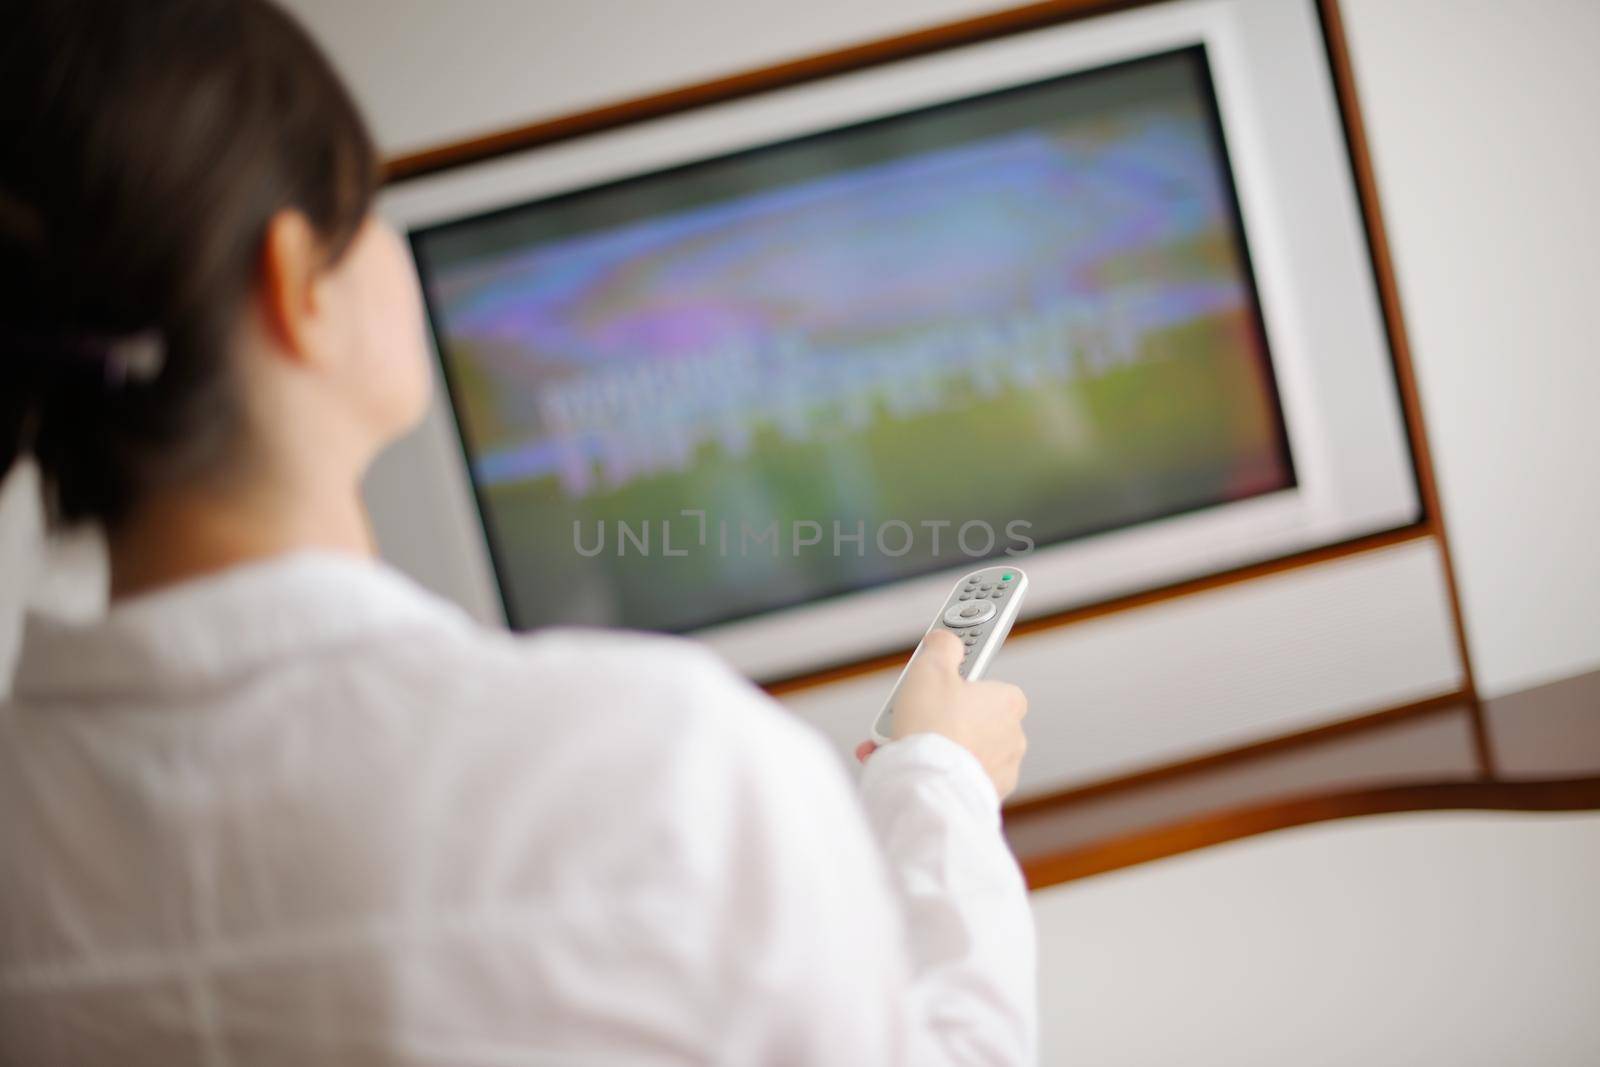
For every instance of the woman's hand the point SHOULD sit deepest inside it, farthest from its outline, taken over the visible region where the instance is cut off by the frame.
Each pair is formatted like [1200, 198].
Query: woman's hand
[985, 718]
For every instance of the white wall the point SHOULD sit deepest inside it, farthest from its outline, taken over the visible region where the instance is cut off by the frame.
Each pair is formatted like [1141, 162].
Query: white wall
[1429, 940]
[1484, 118]
[428, 71]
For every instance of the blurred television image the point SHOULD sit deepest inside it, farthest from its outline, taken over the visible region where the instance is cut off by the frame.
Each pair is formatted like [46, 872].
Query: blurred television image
[1032, 310]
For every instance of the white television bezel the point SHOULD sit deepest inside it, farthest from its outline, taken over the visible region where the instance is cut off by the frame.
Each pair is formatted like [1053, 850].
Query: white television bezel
[1303, 225]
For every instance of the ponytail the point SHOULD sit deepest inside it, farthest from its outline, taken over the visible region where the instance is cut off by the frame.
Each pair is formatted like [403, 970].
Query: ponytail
[148, 147]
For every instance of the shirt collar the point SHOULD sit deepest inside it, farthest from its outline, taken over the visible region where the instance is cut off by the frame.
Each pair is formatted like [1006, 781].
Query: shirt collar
[207, 630]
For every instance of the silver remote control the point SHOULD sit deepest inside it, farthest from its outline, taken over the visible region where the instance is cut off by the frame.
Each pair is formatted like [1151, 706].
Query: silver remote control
[980, 611]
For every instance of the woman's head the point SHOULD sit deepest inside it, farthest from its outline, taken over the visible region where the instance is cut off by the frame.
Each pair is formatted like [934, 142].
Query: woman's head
[192, 285]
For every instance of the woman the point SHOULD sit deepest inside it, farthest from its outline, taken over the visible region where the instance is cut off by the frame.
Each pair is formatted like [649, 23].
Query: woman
[282, 807]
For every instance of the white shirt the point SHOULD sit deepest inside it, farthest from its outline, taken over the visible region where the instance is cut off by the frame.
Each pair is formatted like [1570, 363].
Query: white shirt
[304, 813]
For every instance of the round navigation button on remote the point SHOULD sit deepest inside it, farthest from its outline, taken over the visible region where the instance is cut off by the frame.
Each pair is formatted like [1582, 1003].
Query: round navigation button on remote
[973, 614]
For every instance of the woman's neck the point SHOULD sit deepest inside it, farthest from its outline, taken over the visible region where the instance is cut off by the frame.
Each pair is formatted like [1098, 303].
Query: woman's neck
[177, 535]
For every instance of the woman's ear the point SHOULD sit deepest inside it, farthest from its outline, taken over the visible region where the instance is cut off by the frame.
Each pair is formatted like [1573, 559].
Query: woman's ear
[290, 296]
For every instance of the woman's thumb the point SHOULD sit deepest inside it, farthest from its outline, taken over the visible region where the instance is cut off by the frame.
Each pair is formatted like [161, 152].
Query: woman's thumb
[941, 653]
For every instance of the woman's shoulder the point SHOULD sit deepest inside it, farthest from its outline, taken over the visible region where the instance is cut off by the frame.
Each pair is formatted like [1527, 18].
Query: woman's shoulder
[639, 689]
[647, 730]
[634, 677]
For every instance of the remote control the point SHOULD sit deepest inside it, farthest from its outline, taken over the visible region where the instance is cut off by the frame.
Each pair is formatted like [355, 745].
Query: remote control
[980, 611]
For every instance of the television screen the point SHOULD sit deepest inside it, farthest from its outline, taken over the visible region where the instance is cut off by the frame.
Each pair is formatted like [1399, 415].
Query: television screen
[813, 367]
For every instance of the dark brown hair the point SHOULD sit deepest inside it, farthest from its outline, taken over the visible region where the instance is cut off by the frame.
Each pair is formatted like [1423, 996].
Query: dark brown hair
[147, 145]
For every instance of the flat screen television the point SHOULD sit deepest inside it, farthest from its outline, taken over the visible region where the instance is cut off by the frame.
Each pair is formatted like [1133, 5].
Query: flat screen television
[766, 372]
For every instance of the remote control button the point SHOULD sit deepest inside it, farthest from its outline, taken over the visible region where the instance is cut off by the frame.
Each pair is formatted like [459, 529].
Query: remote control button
[973, 614]
[982, 596]
[998, 593]
[986, 586]
[964, 596]
[975, 631]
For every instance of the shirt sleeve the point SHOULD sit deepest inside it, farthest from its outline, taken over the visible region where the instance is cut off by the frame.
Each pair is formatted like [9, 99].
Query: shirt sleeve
[885, 926]
[970, 929]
